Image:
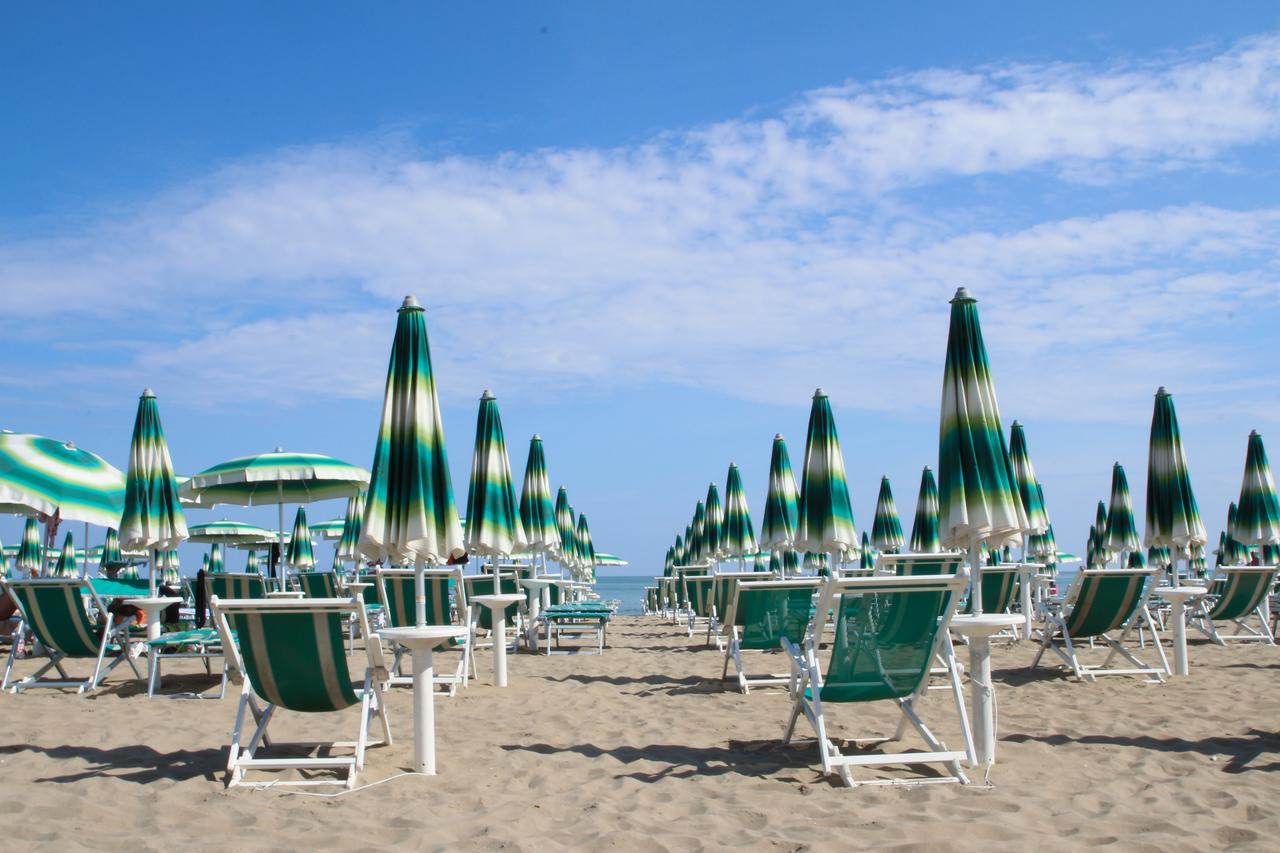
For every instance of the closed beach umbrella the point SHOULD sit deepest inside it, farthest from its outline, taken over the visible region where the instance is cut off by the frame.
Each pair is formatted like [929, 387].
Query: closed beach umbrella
[978, 497]
[1136, 560]
[886, 529]
[493, 515]
[537, 513]
[1235, 551]
[739, 532]
[1173, 517]
[867, 555]
[1122, 530]
[825, 516]
[66, 565]
[697, 539]
[251, 562]
[152, 517]
[110, 558]
[204, 565]
[410, 515]
[924, 529]
[587, 551]
[782, 503]
[784, 561]
[351, 522]
[668, 561]
[216, 561]
[1197, 564]
[1258, 514]
[713, 529]
[170, 568]
[1029, 492]
[29, 558]
[564, 526]
[300, 554]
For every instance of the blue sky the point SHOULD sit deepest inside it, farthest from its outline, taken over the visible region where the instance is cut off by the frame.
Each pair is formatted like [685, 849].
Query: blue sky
[651, 230]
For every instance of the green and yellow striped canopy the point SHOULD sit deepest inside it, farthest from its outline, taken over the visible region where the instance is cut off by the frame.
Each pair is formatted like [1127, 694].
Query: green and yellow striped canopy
[1258, 515]
[1173, 517]
[410, 514]
[493, 514]
[1122, 529]
[713, 525]
[825, 519]
[41, 475]
[66, 566]
[610, 560]
[351, 523]
[582, 536]
[1024, 476]
[782, 503]
[568, 553]
[886, 527]
[924, 529]
[30, 554]
[867, 553]
[330, 530]
[739, 532]
[230, 533]
[278, 477]
[537, 513]
[152, 516]
[299, 554]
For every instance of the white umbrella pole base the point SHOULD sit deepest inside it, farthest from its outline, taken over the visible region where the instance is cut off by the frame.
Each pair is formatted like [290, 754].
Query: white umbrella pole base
[499, 651]
[424, 712]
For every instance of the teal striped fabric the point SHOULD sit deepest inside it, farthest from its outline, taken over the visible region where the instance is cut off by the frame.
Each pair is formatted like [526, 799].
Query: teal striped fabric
[537, 512]
[1258, 518]
[739, 532]
[924, 529]
[281, 476]
[295, 660]
[41, 475]
[1173, 517]
[493, 515]
[782, 504]
[886, 527]
[1122, 529]
[300, 554]
[825, 514]
[152, 517]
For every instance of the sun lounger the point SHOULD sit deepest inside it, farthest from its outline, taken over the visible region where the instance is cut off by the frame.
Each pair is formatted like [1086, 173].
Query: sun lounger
[318, 585]
[575, 620]
[888, 631]
[697, 596]
[482, 616]
[722, 587]
[289, 653]
[396, 592]
[999, 592]
[767, 615]
[1236, 594]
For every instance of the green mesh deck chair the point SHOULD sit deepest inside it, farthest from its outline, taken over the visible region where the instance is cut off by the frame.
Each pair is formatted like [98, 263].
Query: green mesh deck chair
[697, 597]
[723, 585]
[289, 654]
[888, 630]
[318, 584]
[482, 617]
[234, 585]
[768, 616]
[1237, 593]
[55, 611]
[1000, 588]
[1100, 602]
[396, 593]
[910, 565]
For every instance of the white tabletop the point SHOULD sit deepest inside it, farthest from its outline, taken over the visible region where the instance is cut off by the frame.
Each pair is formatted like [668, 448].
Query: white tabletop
[285, 593]
[536, 582]
[157, 603]
[984, 625]
[496, 601]
[1183, 592]
[427, 635]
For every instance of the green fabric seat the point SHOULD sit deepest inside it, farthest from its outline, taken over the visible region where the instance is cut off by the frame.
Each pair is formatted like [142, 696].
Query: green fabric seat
[196, 636]
[999, 589]
[766, 615]
[395, 589]
[235, 585]
[477, 585]
[318, 584]
[697, 591]
[911, 565]
[1236, 594]
[296, 660]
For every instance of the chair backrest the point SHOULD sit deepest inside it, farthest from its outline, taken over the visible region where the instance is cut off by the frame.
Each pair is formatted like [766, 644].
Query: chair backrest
[396, 594]
[767, 611]
[54, 610]
[651, 597]
[1105, 599]
[887, 631]
[999, 587]
[235, 585]
[483, 585]
[293, 650]
[555, 593]
[722, 587]
[697, 594]
[370, 592]
[1243, 589]
[318, 584]
[910, 565]
[108, 588]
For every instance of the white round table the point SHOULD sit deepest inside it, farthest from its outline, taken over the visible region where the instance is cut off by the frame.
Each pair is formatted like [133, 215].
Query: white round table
[536, 588]
[285, 593]
[1178, 597]
[152, 607]
[498, 605]
[422, 642]
[978, 631]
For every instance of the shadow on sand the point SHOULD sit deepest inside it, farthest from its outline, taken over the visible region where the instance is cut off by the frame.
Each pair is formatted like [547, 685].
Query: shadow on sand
[1241, 751]
[137, 763]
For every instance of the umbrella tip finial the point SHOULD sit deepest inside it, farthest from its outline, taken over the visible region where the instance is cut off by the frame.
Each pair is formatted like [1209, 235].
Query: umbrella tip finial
[1252, 433]
[410, 301]
[147, 392]
[777, 436]
[537, 437]
[278, 450]
[817, 392]
[963, 295]
[1162, 391]
[487, 395]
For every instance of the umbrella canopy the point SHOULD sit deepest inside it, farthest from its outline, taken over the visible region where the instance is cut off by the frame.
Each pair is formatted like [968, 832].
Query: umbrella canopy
[978, 498]
[277, 477]
[29, 558]
[251, 562]
[493, 515]
[1122, 529]
[1173, 517]
[713, 528]
[205, 563]
[603, 559]
[668, 562]
[350, 539]
[152, 516]
[697, 538]
[816, 561]
[781, 505]
[331, 529]
[409, 513]
[924, 530]
[537, 512]
[1024, 476]
[867, 554]
[299, 553]
[42, 475]
[586, 550]
[1160, 557]
[825, 516]
[565, 527]
[1258, 515]
[1101, 524]
[230, 533]
[886, 528]
[110, 557]
[216, 561]
[1234, 551]
[1197, 564]
[784, 561]
[170, 568]
[66, 566]
[1136, 560]
[1043, 546]
[739, 532]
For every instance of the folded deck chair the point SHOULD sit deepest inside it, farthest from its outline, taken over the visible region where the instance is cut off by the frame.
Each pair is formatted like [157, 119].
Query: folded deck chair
[888, 631]
[1101, 601]
[396, 592]
[54, 610]
[289, 654]
[722, 587]
[1238, 593]
[697, 597]
[767, 615]
[482, 617]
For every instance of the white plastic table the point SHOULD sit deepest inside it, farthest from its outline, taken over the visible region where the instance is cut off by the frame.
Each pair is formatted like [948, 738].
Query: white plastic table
[285, 593]
[423, 642]
[536, 588]
[1178, 597]
[152, 607]
[978, 631]
[498, 605]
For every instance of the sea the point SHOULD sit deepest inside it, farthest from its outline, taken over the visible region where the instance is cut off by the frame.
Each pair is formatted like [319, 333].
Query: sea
[629, 589]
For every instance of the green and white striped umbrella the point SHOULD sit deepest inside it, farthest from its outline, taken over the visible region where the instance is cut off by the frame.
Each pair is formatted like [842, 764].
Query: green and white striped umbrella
[30, 554]
[677, 551]
[278, 477]
[668, 561]
[251, 562]
[41, 475]
[1173, 518]
[1095, 555]
[924, 530]
[739, 532]
[713, 527]
[564, 526]
[1122, 530]
[216, 561]
[205, 564]
[886, 528]
[689, 549]
[170, 568]
[1024, 476]
[1043, 546]
[784, 561]
[586, 551]
[110, 556]
[493, 514]
[1258, 517]
[867, 553]
[1137, 560]
[825, 515]
[409, 512]
[351, 522]
[782, 505]
[1101, 523]
[978, 498]
[152, 517]
[537, 513]
[697, 539]
[299, 553]
[1197, 564]
[1235, 550]
[1160, 557]
[67, 566]
[610, 560]
[816, 561]
[230, 533]
[330, 530]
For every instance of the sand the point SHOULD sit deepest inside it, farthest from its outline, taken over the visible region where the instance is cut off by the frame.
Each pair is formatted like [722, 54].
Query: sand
[642, 749]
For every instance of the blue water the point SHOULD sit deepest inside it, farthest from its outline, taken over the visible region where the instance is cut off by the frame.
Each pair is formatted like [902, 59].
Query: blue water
[629, 589]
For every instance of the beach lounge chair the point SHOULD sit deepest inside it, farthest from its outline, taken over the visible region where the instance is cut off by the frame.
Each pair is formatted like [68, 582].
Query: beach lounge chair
[888, 631]
[722, 587]
[1099, 602]
[289, 654]
[319, 585]
[913, 565]
[54, 610]
[482, 617]
[999, 592]
[767, 615]
[1236, 594]
[575, 620]
[396, 592]
[697, 597]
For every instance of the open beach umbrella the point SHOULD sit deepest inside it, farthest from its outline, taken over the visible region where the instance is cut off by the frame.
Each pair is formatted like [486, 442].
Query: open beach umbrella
[1173, 517]
[537, 513]
[493, 515]
[713, 528]
[886, 528]
[586, 550]
[1258, 513]
[230, 533]
[782, 503]
[46, 476]
[825, 516]
[30, 554]
[564, 525]
[739, 532]
[152, 518]
[609, 560]
[66, 566]
[924, 529]
[330, 530]
[300, 554]
[1029, 492]
[409, 513]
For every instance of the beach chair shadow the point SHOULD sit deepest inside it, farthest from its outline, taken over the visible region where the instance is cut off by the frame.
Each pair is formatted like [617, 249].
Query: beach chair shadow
[1243, 750]
[135, 763]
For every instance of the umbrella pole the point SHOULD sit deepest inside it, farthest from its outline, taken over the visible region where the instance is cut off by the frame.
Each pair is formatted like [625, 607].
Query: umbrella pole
[419, 594]
[85, 570]
[151, 575]
[280, 533]
[975, 582]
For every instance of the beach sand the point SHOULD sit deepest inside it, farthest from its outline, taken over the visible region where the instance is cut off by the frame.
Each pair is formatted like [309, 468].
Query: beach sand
[642, 749]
